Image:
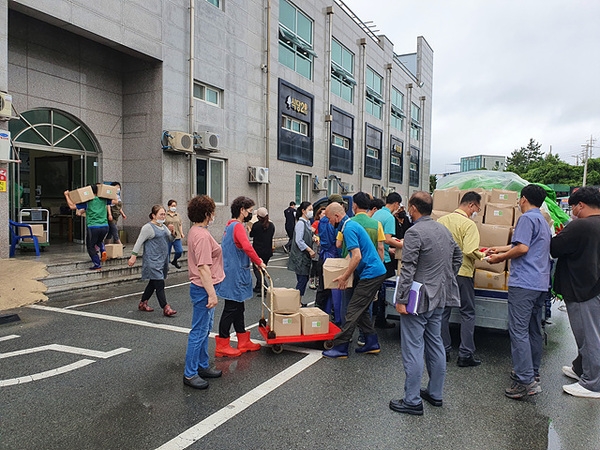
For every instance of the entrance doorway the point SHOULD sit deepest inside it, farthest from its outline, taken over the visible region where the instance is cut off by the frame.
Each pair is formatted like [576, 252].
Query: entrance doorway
[57, 153]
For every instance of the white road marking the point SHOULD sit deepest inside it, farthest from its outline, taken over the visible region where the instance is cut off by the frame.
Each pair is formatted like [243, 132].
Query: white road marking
[119, 297]
[10, 336]
[47, 374]
[201, 429]
[66, 349]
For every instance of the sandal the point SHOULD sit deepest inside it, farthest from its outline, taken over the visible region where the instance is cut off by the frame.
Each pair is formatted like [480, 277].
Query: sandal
[143, 306]
[168, 311]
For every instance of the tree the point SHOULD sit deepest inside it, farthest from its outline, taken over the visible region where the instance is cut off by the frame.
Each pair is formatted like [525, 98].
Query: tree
[432, 182]
[550, 170]
[521, 159]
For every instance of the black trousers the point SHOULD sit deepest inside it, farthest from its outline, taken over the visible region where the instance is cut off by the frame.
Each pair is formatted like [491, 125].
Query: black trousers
[233, 313]
[159, 287]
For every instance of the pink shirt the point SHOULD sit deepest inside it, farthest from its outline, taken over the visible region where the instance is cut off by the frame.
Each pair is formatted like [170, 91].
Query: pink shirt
[203, 249]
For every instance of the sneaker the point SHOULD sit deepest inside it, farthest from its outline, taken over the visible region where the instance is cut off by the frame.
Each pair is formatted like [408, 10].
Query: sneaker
[360, 341]
[518, 390]
[311, 283]
[95, 267]
[578, 390]
[513, 376]
[568, 371]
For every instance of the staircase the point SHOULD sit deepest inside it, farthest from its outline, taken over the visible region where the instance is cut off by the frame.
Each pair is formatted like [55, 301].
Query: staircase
[75, 276]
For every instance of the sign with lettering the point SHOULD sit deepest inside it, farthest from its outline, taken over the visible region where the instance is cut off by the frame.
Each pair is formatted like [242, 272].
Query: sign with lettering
[297, 105]
[3, 179]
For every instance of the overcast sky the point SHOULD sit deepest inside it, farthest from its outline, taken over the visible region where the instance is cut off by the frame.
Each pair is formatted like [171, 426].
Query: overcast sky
[504, 71]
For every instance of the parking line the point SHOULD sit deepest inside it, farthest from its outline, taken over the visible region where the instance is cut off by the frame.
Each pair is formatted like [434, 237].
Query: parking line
[47, 374]
[10, 336]
[212, 422]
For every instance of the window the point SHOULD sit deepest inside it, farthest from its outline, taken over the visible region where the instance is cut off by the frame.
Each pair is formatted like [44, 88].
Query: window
[396, 160]
[210, 179]
[397, 119]
[303, 184]
[374, 101]
[340, 141]
[341, 150]
[342, 71]
[373, 146]
[294, 125]
[207, 93]
[295, 39]
[415, 122]
[217, 3]
[376, 190]
[414, 166]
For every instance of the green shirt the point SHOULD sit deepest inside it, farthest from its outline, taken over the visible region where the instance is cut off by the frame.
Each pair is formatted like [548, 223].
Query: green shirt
[465, 233]
[96, 213]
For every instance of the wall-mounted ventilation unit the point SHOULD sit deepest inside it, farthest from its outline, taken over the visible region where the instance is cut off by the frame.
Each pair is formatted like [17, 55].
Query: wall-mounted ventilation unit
[181, 142]
[258, 174]
[5, 105]
[207, 140]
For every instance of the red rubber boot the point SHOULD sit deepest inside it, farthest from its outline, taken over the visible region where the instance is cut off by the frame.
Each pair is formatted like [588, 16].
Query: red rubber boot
[224, 349]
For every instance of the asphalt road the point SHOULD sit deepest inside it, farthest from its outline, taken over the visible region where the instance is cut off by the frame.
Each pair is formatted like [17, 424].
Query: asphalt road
[92, 372]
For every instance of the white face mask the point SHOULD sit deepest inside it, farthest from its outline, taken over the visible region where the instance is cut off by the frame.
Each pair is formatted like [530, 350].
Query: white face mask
[309, 214]
[172, 209]
[212, 219]
[160, 221]
[474, 214]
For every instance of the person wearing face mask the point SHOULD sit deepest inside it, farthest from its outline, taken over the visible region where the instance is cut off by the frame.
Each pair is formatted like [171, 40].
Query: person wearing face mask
[262, 241]
[173, 218]
[236, 288]
[116, 209]
[528, 281]
[465, 233]
[301, 251]
[154, 237]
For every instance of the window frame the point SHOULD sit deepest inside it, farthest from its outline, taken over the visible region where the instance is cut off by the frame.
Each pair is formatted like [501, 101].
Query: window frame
[303, 187]
[342, 74]
[209, 189]
[294, 42]
[373, 99]
[207, 87]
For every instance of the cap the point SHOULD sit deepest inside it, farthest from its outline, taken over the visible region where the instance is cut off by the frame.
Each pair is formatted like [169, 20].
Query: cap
[262, 212]
[337, 198]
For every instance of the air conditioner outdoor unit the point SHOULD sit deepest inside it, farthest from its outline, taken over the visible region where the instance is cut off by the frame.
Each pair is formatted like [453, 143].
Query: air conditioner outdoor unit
[181, 142]
[208, 141]
[320, 184]
[5, 105]
[258, 174]
[347, 187]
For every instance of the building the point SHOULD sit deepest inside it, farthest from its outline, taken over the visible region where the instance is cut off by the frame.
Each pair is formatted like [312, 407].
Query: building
[276, 100]
[478, 162]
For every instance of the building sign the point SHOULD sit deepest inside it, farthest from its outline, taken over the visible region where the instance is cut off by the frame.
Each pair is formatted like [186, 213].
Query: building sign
[297, 105]
[3, 179]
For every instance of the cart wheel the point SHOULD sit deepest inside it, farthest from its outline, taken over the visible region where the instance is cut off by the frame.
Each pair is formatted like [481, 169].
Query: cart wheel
[262, 323]
[277, 348]
[328, 345]
[271, 335]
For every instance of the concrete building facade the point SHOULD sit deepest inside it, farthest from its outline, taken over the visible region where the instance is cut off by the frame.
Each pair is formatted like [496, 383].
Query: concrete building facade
[281, 100]
[478, 162]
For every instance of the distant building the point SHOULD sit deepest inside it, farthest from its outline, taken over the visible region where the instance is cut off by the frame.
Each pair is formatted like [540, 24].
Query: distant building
[477, 162]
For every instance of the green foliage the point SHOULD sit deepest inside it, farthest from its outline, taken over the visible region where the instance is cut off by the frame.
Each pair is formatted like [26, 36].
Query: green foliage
[521, 159]
[432, 183]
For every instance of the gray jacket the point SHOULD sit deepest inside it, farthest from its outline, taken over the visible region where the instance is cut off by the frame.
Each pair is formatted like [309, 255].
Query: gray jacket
[430, 256]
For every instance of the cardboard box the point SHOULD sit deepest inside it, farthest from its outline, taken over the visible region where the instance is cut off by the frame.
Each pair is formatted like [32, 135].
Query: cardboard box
[82, 195]
[42, 239]
[36, 229]
[314, 321]
[108, 192]
[114, 251]
[286, 324]
[436, 214]
[501, 196]
[285, 300]
[333, 268]
[490, 280]
[496, 268]
[445, 199]
[548, 218]
[498, 214]
[484, 196]
[517, 213]
[493, 235]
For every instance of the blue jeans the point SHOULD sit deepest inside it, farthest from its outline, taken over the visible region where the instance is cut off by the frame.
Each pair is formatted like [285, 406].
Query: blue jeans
[176, 244]
[203, 318]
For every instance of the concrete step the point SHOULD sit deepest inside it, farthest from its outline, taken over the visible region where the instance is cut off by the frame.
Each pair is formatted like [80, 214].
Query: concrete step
[65, 277]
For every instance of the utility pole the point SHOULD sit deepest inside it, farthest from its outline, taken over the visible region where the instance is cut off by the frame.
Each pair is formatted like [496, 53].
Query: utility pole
[589, 145]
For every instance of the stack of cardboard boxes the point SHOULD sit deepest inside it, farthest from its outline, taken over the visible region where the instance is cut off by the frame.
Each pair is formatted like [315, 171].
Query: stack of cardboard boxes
[291, 320]
[499, 214]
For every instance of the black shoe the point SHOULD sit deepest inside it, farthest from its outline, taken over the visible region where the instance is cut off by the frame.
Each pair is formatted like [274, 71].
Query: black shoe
[256, 290]
[195, 382]
[384, 324]
[401, 407]
[468, 362]
[176, 264]
[429, 399]
[209, 373]
[303, 305]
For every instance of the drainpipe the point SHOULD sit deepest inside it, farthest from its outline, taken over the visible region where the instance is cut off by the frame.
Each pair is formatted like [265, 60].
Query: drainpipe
[265, 69]
[409, 86]
[362, 134]
[328, 115]
[191, 100]
[387, 126]
[422, 152]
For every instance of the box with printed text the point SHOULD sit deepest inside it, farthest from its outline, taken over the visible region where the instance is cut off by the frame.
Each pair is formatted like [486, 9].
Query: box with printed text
[314, 321]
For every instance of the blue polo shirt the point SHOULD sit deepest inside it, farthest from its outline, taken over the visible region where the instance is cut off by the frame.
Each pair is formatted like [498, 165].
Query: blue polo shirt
[384, 215]
[355, 236]
[532, 270]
